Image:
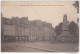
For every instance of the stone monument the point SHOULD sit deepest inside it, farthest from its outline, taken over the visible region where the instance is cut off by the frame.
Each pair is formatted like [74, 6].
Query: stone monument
[65, 35]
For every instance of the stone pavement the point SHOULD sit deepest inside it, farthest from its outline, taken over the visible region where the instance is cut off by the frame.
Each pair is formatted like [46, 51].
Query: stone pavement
[13, 47]
[51, 47]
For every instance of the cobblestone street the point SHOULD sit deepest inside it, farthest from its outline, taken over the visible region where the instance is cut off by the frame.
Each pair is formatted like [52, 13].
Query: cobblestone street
[38, 47]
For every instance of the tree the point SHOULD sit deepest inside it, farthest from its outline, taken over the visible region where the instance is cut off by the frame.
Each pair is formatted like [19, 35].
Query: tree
[58, 29]
[73, 28]
[76, 5]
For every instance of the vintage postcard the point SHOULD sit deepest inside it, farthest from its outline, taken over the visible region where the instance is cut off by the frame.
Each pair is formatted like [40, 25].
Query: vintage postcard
[39, 26]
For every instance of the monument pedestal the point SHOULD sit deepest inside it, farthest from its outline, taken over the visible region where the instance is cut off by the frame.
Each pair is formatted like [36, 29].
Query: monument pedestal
[67, 38]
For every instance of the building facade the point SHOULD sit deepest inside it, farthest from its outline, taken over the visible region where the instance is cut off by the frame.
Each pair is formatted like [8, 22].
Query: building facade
[22, 29]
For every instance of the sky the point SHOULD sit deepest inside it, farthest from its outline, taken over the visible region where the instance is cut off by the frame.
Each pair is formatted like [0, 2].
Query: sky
[48, 11]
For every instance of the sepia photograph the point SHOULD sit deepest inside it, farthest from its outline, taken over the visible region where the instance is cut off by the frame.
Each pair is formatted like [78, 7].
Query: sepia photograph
[39, 26]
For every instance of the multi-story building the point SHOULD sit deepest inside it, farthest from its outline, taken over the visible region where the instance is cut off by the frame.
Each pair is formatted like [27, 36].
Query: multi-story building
[22, 29]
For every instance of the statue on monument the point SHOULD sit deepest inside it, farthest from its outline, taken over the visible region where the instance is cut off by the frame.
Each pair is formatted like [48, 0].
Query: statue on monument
[65, 29]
